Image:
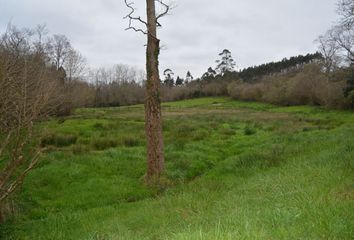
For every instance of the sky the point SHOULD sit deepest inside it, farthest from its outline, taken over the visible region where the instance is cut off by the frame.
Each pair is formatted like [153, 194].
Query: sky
[192, 35]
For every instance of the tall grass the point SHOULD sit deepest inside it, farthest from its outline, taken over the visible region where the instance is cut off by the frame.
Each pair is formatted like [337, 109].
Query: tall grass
[235, 171]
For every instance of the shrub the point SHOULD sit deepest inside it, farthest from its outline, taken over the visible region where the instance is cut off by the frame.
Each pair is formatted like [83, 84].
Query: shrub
[308, 85]
[215, 89]
[246, 91]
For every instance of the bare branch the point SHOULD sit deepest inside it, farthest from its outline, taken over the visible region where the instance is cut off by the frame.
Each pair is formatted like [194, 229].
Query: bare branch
[345, 8]
[167, 9]
[136, 29]
[18, 181]
[165, 12]
[27, 86]
[132, 18]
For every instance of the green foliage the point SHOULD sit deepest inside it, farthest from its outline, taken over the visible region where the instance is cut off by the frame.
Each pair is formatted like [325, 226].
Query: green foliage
[278, 183]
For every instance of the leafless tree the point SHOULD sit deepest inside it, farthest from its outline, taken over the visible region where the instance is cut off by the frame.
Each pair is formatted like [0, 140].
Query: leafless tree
[116, 86]
[153, 121]
[330, 52]
[60, 50]
[343, 36]
[338, 42]
[74, 65]
[346, 11]
[26, 87]
[41, 44]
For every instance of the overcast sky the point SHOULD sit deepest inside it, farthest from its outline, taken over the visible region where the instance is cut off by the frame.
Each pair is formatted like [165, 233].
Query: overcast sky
[255, 31]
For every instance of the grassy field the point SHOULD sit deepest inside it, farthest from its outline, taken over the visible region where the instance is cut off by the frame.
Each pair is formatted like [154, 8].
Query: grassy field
[235, 170]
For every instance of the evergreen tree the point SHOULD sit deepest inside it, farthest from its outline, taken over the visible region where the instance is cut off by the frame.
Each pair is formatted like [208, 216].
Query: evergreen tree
[251, 74]
[169, 80]
[189, 77]
[179, 81]
[226, 63]
[209, 75]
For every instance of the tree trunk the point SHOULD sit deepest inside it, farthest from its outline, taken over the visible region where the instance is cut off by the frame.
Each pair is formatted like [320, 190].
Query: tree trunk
[153, 121]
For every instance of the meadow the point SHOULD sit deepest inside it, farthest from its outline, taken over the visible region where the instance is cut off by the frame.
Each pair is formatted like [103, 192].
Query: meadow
[234, 170]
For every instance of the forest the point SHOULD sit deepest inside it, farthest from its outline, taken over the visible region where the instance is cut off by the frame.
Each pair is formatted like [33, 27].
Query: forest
[122, 152]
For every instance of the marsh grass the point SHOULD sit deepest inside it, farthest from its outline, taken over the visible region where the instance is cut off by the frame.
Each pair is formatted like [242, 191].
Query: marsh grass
[234, 170]
[58, 140]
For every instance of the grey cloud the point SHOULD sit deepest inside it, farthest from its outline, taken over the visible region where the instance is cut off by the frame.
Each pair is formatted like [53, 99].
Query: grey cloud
[256, 31]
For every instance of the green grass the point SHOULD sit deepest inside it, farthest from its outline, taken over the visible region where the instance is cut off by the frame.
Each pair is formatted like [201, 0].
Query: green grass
[235, 170]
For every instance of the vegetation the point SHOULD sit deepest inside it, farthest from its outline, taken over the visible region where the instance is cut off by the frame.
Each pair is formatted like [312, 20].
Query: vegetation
[252, 74]
[28, 90]
[74, 144]
[306, 86]
[234, 170]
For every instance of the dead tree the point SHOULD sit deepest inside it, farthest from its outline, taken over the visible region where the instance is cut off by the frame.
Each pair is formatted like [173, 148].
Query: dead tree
[153, 121]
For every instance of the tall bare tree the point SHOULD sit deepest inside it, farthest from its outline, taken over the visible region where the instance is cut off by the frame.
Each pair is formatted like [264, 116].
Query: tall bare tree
[74, 65]
[153, 121]
[330, 53]
[337, 45]
[60, 50]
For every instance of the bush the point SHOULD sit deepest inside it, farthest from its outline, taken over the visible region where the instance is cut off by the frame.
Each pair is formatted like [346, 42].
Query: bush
[246, 91]
[305, 86]
[215, 89]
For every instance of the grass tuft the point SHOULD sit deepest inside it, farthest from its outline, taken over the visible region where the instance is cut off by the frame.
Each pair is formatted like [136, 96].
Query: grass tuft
[104, 143]
[58, 140]
[249, 130]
